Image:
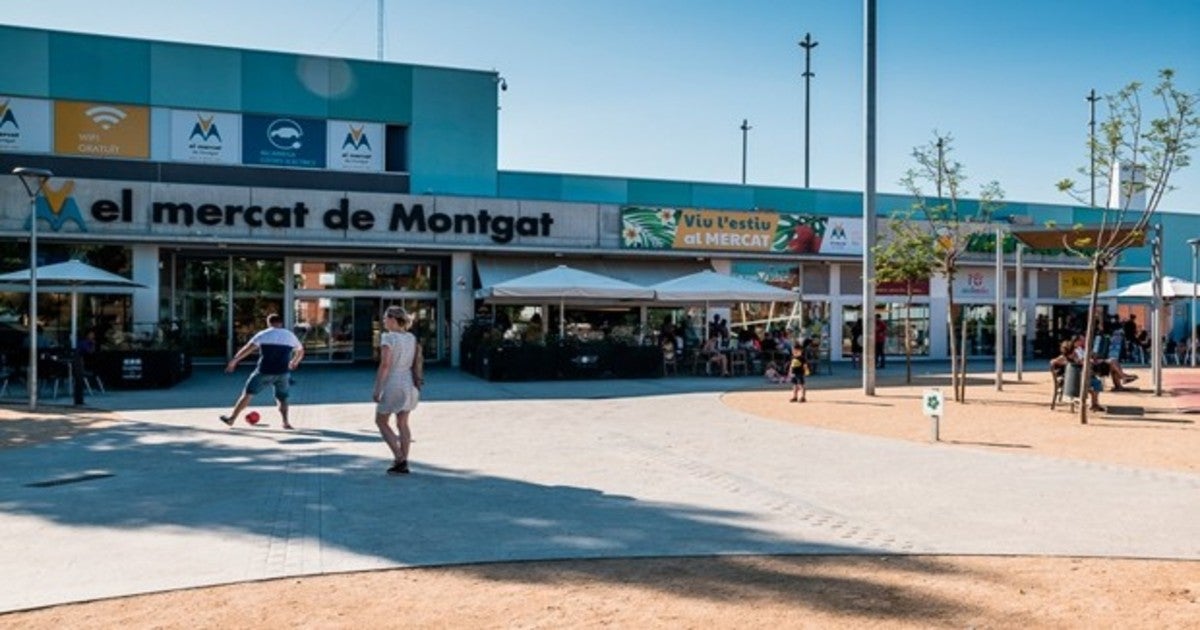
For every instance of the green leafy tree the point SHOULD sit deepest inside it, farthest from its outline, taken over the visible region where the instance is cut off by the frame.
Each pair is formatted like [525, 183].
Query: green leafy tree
[907, 255]
[951, 221]
[1149, 145]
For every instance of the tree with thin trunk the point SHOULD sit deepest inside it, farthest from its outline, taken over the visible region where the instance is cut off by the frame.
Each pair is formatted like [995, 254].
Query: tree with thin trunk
[907, 255]
[951, 220]
[1141, 152]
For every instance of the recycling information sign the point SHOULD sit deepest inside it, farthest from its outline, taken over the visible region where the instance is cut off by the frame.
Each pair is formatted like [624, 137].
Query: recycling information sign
[932, 402]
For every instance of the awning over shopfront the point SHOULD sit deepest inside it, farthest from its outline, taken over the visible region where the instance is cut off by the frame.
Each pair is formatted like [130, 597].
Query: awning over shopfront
[565, 285]
[643, 273]
[704, 287]
[563, 282]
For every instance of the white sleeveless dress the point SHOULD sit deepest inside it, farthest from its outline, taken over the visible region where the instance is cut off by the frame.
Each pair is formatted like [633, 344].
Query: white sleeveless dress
[400, 393]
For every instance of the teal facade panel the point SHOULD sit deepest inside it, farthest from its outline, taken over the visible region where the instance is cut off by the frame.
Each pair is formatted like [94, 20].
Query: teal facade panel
[722, 196]
[595, 189]
[278, 83]
[660, 193]
[540, 186]
[26, 71]
[195, 77]
[453, 136]
[365, 90]
[91, 68]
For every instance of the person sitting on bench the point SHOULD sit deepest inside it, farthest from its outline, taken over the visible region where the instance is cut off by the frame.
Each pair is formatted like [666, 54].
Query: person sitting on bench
[1069, 354]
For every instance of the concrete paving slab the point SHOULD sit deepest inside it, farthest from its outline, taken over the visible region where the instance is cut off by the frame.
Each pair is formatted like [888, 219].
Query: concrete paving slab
[514, 471]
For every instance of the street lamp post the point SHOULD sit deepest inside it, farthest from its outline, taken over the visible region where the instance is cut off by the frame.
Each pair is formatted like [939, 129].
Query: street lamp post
[745, 128]
[34, 180]
[807, 44]
[1091, 99]
[1195, 243]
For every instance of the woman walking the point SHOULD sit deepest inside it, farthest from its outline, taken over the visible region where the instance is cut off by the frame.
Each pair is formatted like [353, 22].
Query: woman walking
[397, 385]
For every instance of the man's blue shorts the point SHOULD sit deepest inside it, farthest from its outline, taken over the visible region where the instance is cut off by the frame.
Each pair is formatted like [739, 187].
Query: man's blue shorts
[258, 381]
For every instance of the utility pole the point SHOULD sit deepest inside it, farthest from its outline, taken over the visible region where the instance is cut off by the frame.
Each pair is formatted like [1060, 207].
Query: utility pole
[379, 33]
[745, 127]
[807, 44]
[1091, 99]
[869, 226]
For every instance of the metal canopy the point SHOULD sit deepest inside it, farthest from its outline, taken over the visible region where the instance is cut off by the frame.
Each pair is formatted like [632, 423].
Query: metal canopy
[1081, 237]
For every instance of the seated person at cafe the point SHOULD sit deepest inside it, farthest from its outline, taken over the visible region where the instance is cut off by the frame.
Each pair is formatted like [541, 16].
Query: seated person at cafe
[1068, 355]
[668, 335]
[711, 352]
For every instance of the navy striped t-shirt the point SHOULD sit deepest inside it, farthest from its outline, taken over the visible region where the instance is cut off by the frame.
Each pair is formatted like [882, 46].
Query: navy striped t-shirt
[275, 347]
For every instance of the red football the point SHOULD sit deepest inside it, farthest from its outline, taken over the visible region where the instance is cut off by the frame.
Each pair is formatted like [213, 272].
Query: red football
[253, 417]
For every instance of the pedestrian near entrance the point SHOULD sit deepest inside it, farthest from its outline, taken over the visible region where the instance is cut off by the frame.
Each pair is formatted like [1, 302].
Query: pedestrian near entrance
[279, 353]
[880, 341]
[798, 369]
[398, 383]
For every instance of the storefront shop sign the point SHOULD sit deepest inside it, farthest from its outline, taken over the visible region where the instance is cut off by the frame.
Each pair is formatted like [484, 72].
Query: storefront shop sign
[724, 230]
[897, 287]
[1078, 284]
[402, 217]
[101, 130]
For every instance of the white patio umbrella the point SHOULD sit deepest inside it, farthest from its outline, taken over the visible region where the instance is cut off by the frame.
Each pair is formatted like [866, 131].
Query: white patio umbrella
[705, 287]
[565, 284]
[1172, 288]
[72, 275]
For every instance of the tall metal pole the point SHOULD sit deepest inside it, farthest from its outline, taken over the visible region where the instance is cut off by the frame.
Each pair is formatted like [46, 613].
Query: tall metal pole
[32, 381]
[745, 127]
[1019, 351]
[1091, 99]
[379, 32]
[807, 44]
[998, 344]
[39, 177]
[1156, 276]
[868, 308]
[1191, 336]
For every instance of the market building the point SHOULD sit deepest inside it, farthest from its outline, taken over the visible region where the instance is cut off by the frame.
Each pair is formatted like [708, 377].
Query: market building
[233, 182]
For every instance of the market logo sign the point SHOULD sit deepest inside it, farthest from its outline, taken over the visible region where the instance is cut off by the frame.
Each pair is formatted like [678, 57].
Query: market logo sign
[24, 125]
[205, 130]
[57, 206]
[355, 146]
[275, 141]
[7, 117]
[210, 137]
[101, 130]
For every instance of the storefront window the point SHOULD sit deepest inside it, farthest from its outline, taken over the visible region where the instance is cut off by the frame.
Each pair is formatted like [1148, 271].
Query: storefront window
[917, 317]
[765, 316]
[980, 329]
[371, 276]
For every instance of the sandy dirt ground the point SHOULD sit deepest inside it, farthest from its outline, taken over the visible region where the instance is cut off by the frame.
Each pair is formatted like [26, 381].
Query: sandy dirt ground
[1139, 429]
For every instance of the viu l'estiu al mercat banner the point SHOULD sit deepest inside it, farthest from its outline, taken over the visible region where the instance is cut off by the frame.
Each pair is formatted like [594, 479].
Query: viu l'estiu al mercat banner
[728, 230]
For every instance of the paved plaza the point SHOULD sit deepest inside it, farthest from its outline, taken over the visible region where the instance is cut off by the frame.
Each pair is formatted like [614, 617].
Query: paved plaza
[172, 498]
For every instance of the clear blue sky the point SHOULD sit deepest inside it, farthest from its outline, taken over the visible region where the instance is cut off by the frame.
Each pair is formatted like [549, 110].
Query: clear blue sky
[658, 88]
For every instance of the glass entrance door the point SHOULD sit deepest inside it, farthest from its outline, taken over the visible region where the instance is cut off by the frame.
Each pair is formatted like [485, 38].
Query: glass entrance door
[326, 328]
